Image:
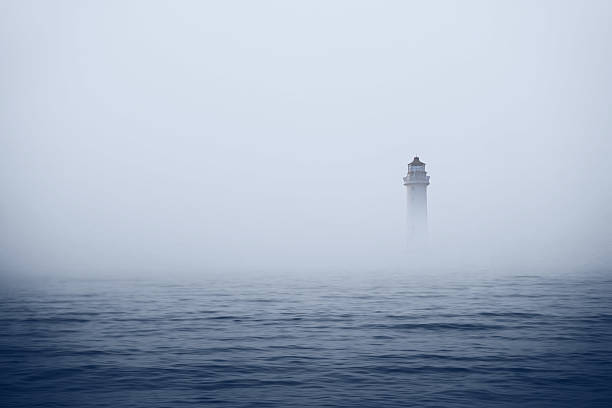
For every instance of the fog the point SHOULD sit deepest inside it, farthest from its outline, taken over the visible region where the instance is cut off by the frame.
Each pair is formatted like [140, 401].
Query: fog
[171, 137]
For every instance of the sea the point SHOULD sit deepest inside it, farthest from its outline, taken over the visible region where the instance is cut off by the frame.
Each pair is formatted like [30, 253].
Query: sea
[342, 339]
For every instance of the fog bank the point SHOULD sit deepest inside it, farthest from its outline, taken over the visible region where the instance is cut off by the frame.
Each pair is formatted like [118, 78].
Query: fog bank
[186, 136]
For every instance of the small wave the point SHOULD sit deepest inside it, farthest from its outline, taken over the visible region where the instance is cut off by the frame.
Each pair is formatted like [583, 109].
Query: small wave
[510, 314]
[436, 326]
[245, 383]
[418, 369]
[58, 320]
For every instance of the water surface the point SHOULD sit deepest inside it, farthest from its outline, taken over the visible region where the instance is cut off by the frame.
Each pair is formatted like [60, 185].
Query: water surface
[338, 341]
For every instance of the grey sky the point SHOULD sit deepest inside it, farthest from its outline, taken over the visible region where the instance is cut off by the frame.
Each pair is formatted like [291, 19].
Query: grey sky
[193, 135]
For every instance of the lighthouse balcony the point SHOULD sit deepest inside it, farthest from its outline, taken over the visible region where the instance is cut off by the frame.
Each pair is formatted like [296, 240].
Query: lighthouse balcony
[416, 180]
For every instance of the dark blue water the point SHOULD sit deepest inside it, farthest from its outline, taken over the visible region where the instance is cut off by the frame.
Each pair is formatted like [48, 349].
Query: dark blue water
[369, 341]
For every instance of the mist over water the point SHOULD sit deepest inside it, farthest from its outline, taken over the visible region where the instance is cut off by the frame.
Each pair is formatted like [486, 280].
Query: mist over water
[190, 136]
[202, 203]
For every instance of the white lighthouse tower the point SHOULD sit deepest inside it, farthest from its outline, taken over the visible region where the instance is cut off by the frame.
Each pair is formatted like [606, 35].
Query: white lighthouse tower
[416, 182]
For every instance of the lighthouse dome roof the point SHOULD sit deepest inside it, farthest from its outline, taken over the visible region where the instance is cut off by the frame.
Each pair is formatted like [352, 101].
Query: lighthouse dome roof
[416, 162]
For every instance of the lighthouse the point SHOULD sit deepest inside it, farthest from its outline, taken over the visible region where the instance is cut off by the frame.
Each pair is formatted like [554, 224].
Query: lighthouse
[416, 182]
